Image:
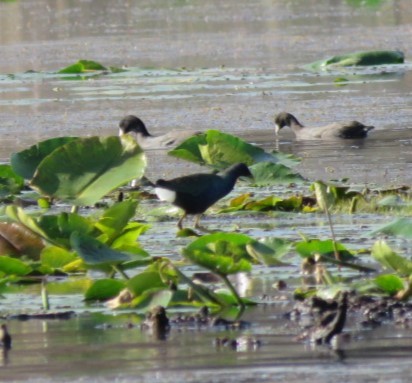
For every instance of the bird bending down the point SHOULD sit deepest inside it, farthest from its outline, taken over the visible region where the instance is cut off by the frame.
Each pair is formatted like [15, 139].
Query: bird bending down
[195, 193]
[132, 124]
[336, 130]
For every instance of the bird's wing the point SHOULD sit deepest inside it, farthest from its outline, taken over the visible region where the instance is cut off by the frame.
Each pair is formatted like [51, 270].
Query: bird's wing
[175, 137]
[194, 184]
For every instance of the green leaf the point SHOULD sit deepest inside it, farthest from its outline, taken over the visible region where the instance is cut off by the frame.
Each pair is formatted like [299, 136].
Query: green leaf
[269, 251]
[57, 229]
[391, 260]
[82, 66]
[12, 266]
[147, 280]
[389, 283]
[244, 202]
[94, 252]
[362, 58]
[220, 150]
[113, 220]
[10, 182]
[83, 171]
[56, 257]
[269, 173]
[220, 253]
[153, 298]
[401, 227]
[104, 289]
[25, 162]
[315, 247]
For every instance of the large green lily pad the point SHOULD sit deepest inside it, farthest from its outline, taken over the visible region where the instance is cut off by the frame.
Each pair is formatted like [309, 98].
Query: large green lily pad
[220, 150]
[83, 171]
[24, 163]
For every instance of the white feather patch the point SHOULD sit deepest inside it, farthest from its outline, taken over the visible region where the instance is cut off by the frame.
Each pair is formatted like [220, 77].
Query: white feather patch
[165, 194]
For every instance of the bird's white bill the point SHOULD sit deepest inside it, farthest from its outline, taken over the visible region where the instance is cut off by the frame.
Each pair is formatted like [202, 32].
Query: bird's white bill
[121, 133]
[277, 128]
[165, 194]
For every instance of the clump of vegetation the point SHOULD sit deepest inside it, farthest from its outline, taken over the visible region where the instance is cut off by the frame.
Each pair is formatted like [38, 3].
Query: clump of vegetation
[73, 173]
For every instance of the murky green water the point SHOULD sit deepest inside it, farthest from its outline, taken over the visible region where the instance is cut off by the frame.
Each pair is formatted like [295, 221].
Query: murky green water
[224, 65]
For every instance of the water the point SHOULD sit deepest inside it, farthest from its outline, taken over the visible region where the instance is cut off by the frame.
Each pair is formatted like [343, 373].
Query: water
[228, 66]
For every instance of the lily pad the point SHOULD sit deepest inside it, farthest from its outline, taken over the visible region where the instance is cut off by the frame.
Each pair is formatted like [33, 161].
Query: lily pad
[269, 173]
[25, 162]
[221, 253]
[12, 266]
[269, 251]
[113, 220]
[362, 58]
[389, 283]
[10, 182]
[83, 66]
[104, 289]
[83, 171]
[315, 247]
[391, 260]
[220, 150]
[56, 257]
[401, 227]
[94, 252]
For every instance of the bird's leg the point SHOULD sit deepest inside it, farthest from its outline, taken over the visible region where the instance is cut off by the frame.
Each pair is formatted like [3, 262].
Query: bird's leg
[197, 221]
[180, 222]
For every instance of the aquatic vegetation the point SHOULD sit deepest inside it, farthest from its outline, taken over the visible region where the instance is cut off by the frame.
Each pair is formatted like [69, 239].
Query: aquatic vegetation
[362, 58]
[25, 163]
[83, 171]
[219, 150]
[87, 66]
[10, 182]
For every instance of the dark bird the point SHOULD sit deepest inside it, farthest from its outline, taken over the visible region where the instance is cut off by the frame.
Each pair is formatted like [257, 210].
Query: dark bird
[197, 192]
[132, 124]
[331, 323]
[157, 322]
[5, 338]
[352, 129]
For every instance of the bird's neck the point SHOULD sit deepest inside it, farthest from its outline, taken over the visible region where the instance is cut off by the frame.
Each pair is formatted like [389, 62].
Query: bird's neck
[295, 124]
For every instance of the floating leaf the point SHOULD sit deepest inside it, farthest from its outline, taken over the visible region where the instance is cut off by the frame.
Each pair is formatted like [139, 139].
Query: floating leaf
[10, 182]
[104, 289]
[390, 284]
[362, 58]
[315, 247]
[82, 66]
[153, 298]
[83, 171]
[94, 252]
[269, 173]
[114, 219]
[269, 251]
[147, 280]
[220, 253]
[12, 266]
[401, 227]
[391, 260]
[220, 150]
[25, 162]
[58, 228]
[292, 203]
[56, 257]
